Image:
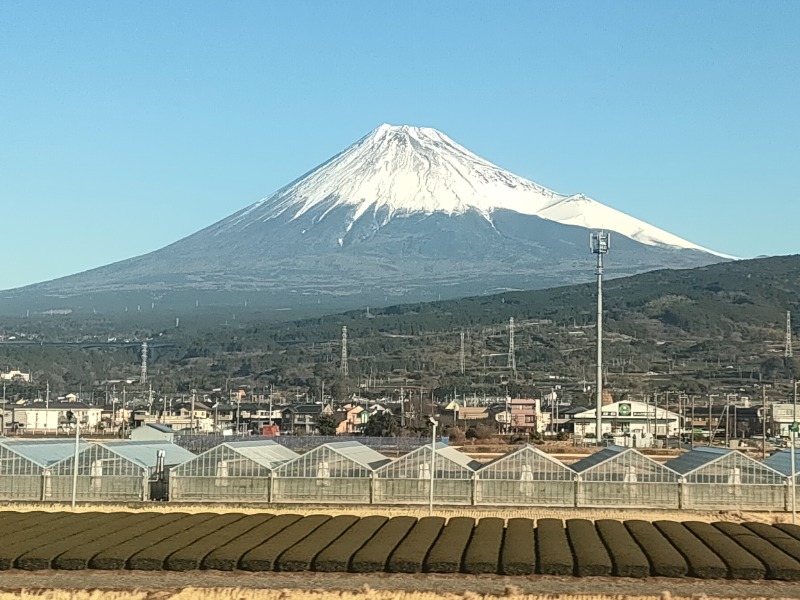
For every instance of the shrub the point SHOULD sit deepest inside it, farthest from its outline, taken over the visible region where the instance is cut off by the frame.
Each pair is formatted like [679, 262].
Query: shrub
[78, 557]
[227, 556]
[591, 558]
[626, 556]
[300, 556]
[741, 564]
[263, 556]
[518, 556]
[116, 557]
[42, 556]
[191, 557]
[336, 557]
[665, 560]
[410, 555]
[374, 555]
[446, 554]
[701, 561]
[483, 551]
[552, 548]
[456, 436]
[779, 565]
[153, 557]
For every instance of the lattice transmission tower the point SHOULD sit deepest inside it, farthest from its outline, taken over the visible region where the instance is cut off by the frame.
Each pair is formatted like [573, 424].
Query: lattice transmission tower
[462, 355]
[787, 349]
[143, 378]
[343, 366]
[512, 358]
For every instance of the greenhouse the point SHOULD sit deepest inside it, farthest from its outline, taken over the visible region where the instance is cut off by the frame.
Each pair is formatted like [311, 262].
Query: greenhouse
[781, 461]
[526, 476]
[407, 480]
[24, 466]
[113, 471]
[622, 477]
[722, 479]
[233, 471]
[335, 472]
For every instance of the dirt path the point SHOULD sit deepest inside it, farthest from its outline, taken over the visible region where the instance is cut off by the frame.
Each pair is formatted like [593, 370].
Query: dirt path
[164, 583]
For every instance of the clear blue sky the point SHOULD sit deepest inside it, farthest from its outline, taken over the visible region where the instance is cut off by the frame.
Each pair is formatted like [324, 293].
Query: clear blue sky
[125, 126]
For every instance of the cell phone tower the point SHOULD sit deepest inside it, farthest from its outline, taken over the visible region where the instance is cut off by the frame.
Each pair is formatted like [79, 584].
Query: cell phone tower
[787, 349]
[344, 351]
[599, 243]
[512, 358]
[143, 378]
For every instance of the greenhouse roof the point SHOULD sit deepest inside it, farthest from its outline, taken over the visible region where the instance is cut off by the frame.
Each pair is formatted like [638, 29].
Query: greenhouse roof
[598, 457]
[457, 457]
[694, 459]
[266, 453]
[358, 453]
[781, 461]
[529, 448]
[44, 452]
[145, 452]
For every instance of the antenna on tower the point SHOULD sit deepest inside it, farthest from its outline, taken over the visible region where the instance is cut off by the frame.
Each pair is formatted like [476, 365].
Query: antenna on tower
[462, 356]
[512, 358]
[599, 244]
[344, 351]
[143, 378]
[787, 350]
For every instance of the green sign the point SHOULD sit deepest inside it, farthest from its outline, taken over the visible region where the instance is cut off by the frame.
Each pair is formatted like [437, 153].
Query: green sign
[624, 410]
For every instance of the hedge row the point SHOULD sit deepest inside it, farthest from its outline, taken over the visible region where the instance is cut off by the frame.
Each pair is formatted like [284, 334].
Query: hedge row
[264, 556]
[43, 556]
[374, 555]
[153, 557]
[792, 530]
[665, 560]
[227, 556]
[776, 537]
[552, 548]
[301, 555]
[78, 556]
[483, 552]
[627, 557]
[778, 564]
[591, 558]
[190, 557]
[409, 556]
[447, 552]
[701, 561]
[337, 556]
[518, 556]
[116, 557]
[741, 564]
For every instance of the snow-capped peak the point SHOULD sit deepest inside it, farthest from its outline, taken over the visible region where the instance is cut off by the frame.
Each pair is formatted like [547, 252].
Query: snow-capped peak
[401, 170]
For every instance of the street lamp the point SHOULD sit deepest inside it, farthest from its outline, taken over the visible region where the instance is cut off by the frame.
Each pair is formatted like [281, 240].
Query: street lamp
[599, 243]
[434, 424]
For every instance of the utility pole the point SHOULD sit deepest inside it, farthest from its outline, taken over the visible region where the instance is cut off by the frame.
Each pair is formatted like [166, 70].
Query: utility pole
[599, 243]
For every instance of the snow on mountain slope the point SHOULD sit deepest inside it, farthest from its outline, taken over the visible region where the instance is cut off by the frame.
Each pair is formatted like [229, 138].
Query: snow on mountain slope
[401, 170]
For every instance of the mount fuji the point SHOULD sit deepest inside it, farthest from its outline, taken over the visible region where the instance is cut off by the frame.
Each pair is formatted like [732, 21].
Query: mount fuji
[404, 214]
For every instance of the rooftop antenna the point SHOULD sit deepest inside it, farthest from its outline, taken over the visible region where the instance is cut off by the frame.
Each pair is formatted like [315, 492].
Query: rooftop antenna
[787, 351]
[344, 351]
[143, 378]
[462, 356]
[599, 243]
[512, 358]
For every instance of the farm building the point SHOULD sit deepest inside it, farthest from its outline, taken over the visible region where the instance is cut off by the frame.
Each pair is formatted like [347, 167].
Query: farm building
[407, 480]
[718, 478]
[233, 471]
[526, 476]
[622, 477]
[335, 472]
[150, 432]
[24, 466]
[116, 471]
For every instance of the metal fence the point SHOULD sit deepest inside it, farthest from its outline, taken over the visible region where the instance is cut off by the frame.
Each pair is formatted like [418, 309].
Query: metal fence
[198, 442]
